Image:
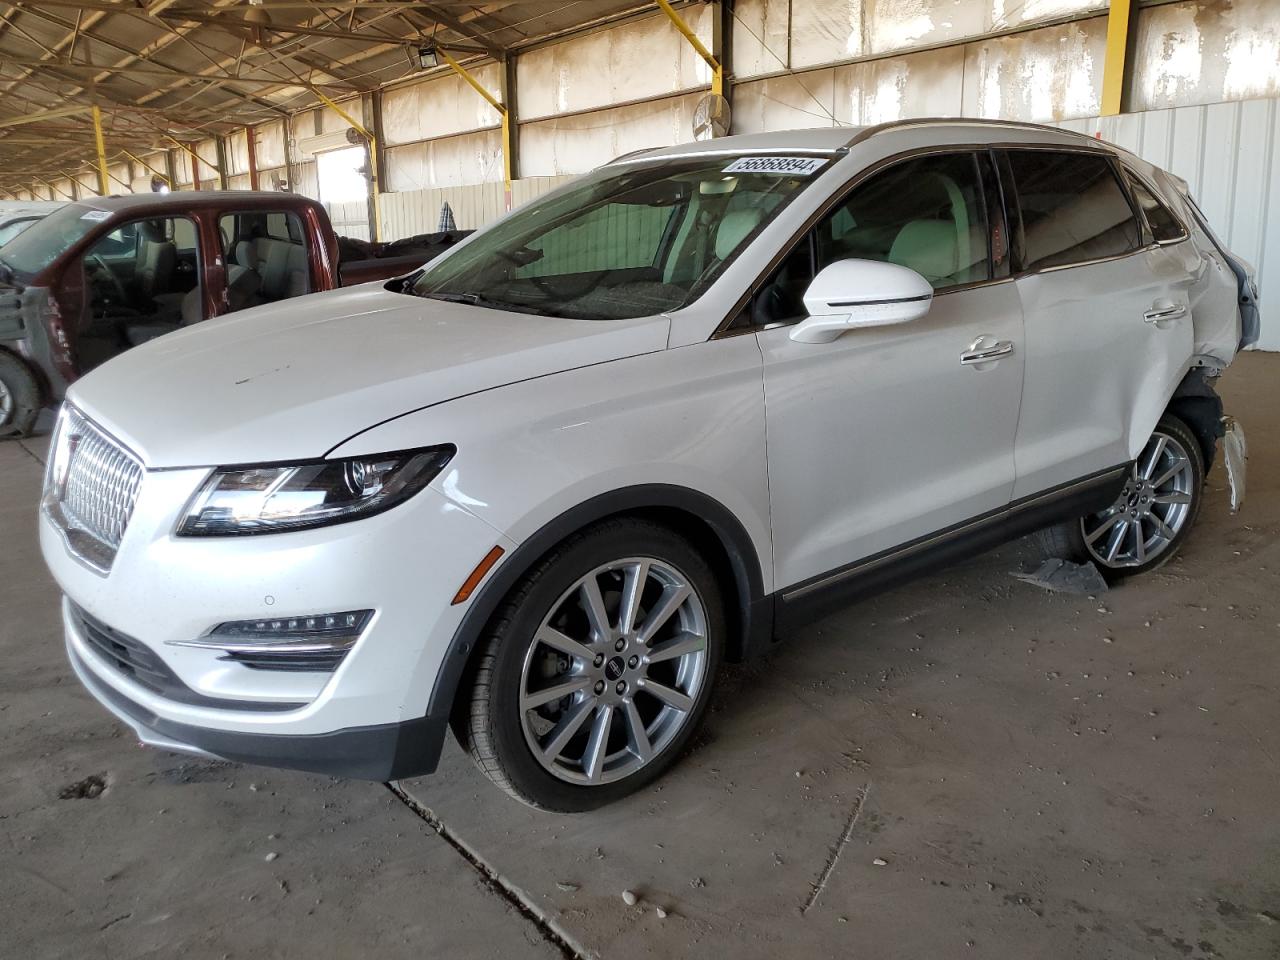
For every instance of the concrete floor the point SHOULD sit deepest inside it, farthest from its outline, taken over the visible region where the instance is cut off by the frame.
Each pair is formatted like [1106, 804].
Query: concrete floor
[966, 766]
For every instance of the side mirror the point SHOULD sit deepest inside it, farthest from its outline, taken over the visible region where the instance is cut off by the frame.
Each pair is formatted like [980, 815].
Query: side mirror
[861, 293]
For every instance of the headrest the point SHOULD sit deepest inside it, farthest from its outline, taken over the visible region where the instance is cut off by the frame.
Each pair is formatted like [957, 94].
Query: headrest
[152, 231]
[246, 253]
[734, 228]
[929, 247]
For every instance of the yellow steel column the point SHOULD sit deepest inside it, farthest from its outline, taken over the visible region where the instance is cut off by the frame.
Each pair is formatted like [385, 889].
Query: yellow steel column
[374, 186]
[717, 71]
[1117, 47]
[103, 185]
[503, 112]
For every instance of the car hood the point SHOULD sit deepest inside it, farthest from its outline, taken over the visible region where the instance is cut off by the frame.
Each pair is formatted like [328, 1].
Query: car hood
[293, 380]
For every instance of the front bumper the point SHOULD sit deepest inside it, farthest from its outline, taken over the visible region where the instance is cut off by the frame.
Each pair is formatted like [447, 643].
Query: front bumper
[389, 751]
[1235, 453]
[368, 718]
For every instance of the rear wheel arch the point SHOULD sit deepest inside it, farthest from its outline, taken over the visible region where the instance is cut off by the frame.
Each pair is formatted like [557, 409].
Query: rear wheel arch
[1196, 403]
[708, 524]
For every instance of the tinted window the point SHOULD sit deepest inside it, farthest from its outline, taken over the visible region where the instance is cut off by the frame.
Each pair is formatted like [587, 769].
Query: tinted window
[927, 214]
[1164, 225]
[1072, 207]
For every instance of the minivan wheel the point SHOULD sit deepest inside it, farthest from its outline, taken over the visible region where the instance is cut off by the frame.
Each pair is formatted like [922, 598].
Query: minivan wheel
[19, 397]
[598, 668]
[1150, 519]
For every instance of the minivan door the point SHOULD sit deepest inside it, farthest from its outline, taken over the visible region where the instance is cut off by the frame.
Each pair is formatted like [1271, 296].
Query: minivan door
[1107, 317]
[886, 435]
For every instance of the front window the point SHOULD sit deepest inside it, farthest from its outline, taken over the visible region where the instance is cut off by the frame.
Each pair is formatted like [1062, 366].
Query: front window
[34, 249]
[626, 241]
[15, 227]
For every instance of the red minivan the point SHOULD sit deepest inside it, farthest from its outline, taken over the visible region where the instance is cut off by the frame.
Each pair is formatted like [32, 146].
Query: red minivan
[99, 276]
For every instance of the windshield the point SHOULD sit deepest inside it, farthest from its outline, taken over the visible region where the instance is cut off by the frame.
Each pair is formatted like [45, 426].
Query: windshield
[626, 241]
[38, 246]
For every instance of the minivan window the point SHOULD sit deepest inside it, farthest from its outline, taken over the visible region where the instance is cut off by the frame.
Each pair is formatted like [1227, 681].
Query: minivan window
[1165, 227]
[38, 246]
[629, 240]
[1073, 208]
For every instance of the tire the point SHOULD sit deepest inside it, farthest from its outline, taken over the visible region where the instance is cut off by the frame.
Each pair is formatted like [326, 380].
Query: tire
[606, 668]
[19, 397]
[1107, 539]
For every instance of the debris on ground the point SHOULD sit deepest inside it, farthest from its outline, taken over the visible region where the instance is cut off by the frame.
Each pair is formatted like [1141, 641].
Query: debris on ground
[566, 886]
[90, 788]
[1063, 576]
[662, 914]
[880, 862]
[271, 856]
[629, 898]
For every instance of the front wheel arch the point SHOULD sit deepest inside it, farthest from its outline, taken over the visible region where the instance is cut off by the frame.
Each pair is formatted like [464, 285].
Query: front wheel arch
[703, 520]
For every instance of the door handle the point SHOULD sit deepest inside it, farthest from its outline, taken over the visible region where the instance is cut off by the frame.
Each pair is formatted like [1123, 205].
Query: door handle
[1163, 310]
[982, 352]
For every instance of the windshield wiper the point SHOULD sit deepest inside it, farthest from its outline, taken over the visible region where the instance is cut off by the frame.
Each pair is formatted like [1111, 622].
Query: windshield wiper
[472, 298]
[480, 300]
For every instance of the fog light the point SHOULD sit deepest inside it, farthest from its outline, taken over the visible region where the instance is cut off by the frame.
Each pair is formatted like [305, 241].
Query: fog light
[313, 643]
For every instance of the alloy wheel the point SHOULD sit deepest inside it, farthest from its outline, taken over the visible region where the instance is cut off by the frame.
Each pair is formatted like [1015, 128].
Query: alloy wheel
[614, 671]
[1151, 510]
[6, 404]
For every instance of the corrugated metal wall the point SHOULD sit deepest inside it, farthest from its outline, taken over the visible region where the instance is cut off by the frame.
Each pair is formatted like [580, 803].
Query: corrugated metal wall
[1228, 154]
[412, 212]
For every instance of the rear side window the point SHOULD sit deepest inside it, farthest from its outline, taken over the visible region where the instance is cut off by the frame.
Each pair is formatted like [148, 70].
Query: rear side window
[1073, 208]
[1165, 227]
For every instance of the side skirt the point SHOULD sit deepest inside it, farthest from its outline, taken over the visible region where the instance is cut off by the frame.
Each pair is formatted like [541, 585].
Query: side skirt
[805, 602]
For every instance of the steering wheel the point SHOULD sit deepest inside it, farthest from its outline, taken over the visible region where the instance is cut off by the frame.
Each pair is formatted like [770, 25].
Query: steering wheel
[115, 281]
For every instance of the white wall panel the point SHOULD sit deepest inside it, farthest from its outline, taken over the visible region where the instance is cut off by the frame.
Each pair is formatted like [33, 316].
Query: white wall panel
[569, 145]
[638, 59]
[1054, 73]
[1227, 153]
[270, 144]
[451, 161]
[1206, 51]
[925, 84]
[760, 31]
[238, 152]
[440, 107]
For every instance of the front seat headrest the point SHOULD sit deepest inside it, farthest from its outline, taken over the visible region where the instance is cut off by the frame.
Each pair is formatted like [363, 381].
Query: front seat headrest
[929, 247]
[734, 228]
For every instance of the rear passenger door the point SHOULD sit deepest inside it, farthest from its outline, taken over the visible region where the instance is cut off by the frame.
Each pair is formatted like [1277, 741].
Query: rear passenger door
[1108, 328]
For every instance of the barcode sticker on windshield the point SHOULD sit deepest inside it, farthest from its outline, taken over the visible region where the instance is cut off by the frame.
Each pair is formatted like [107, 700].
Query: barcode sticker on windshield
[96, 215]
[796, 166]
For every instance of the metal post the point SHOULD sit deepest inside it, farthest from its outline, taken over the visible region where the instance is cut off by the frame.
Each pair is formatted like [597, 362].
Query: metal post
[251, 133]
[103, 185]
[220, 150]
[510, 125]
[717, 72]
[1119, 29]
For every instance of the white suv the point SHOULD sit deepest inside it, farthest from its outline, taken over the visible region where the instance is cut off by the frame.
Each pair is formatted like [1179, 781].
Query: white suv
[539, 489]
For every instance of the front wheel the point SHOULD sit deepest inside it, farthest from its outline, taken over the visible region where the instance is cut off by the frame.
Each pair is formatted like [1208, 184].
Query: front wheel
[598, 668]
[19, 397]
[1151, 518]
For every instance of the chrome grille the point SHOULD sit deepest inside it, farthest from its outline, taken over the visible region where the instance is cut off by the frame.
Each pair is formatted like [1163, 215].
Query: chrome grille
[92, 486]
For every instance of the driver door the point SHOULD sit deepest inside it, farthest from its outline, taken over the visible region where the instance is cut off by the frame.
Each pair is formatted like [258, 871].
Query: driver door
[888, 435]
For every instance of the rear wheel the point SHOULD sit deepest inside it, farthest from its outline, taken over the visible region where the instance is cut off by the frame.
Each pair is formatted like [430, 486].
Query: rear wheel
[598, 668]
[19, 397]
[1152, 516]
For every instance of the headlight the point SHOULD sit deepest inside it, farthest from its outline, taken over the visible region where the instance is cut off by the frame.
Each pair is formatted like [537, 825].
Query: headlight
[280, 497]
